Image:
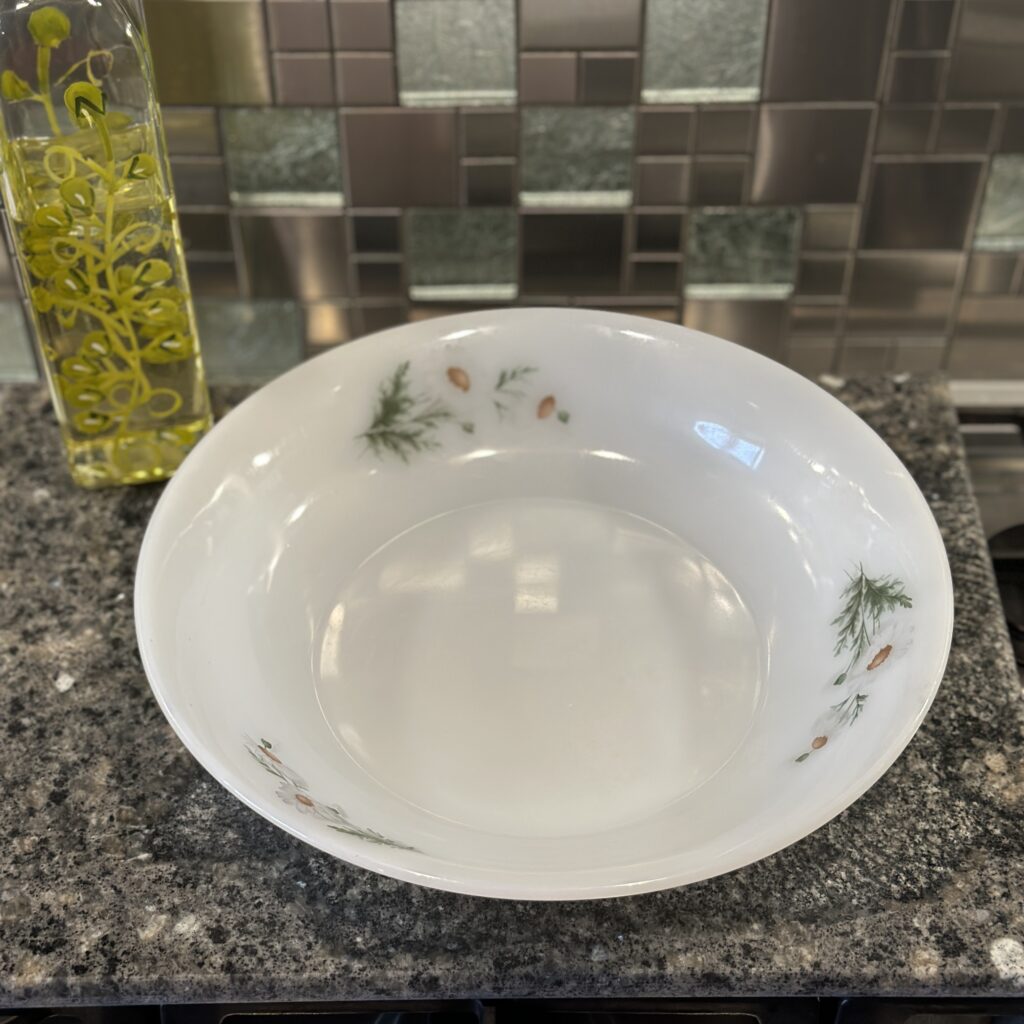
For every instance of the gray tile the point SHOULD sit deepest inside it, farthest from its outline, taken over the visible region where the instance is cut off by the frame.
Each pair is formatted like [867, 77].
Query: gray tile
[829, 229]
[248, 342]
[379, 317]
[365, 79]
[919, 355]
[719, 182]
[902, 294]
[748, 247]
[814, 321]
[860, 356]
[657, 232]
[191, 131]
[990, 273]
[379, 279]
[654, 278]
[298, 24]
[924, 25]
[572, 253]
[810, 156]
[401, 157]
[965, 129]
[987, 61]
[1012, 140]
[579, 24]
[821, 275]
[199, 181]
[213, 277]
[16, 360]
[904, 129]
[361, 25]
[906, 199]
[662, 181]
[283, 156]
[327, 324]
[375, 233]
[1001, 224]
[985, 358]
[490, 184]
[302, 257]
[304, 79]
[914, 79]
[455, 51]
[663, 132]
[490, 132]
[461, 254]
[576, 153]
[608, 78]
[189, 39]
[206, 232]
[704, 51]
[811, 356]
[725, 131]
[8, 284]
[825, 51]
[547, 78]
[755, 324]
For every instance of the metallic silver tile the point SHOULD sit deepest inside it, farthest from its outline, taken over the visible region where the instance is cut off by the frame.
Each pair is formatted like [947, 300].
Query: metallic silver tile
[379, 279]
[579, 24]
[199, 181]
[1001, 224]
[490, 132]
[902, 294]
[191, 131]
[811, 356]
[365, 79]
[547, 78]
[965, 129]
[1012, 140]
[990, 273]
[810, 156]
[298, 24]
[461, 254]
[904, 129]
[283, 156]
[663, 132]
[189, 39]
[215, 277]
[972, 358]
[662, 181]
[657, 232]
[914, 79]
[829, 229]
[327, 325]
[249, 342]
[719, 182]
[380, 317]
[490, 184]
[861, 356]
[746, 246]
[817, 321]
[373, 233]
[608, 78]
[572, 253]
[825, 51]
[303, 256]
[906, 198]
[987, 61]
[401, 157]
[919, 355]
[924, 25]
[207, 233]
[756, 324]
[706, 51]
[361, 25]
[8, 282]
[303, 79]
[455, 51]
[727, 130]
[16, 360]
[821, 275]
[654, 278]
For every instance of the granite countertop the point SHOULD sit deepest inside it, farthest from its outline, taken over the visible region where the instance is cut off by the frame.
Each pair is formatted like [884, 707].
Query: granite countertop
[128, 874]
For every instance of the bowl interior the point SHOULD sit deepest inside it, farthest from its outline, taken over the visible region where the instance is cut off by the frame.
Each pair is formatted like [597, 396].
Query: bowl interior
[544, 603]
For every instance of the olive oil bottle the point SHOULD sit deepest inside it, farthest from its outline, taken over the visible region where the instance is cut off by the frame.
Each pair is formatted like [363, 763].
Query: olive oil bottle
[91, 215]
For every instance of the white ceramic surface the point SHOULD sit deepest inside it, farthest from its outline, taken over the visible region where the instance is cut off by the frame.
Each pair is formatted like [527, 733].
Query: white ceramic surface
[545, 604]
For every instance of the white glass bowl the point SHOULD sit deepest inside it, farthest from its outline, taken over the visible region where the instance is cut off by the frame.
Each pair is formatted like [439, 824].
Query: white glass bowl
[544, 604]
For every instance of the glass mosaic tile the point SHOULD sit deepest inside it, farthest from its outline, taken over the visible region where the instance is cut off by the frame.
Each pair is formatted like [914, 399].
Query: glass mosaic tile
[249, 342]
[1001, 225]
[16, 362]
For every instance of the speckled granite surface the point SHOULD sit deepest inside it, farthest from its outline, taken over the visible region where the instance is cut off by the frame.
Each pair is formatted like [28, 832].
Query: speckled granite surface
[126, 873]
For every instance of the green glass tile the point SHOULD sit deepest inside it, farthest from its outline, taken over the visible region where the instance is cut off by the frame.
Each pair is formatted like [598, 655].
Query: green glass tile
[16, 362]
[748, 252]
[455, 52]
[282, 156]
[703, 51]
[576, 156]
[459, 255]
[249, 342]
[1001, 225]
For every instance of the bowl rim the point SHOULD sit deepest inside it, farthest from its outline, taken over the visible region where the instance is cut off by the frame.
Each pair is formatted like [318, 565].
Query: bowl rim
[517, 885]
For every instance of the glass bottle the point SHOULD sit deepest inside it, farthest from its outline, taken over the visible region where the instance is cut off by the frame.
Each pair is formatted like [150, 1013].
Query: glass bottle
[91, 215]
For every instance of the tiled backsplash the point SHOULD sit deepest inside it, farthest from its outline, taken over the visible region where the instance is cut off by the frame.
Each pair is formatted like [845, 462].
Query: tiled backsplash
[836, 183]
